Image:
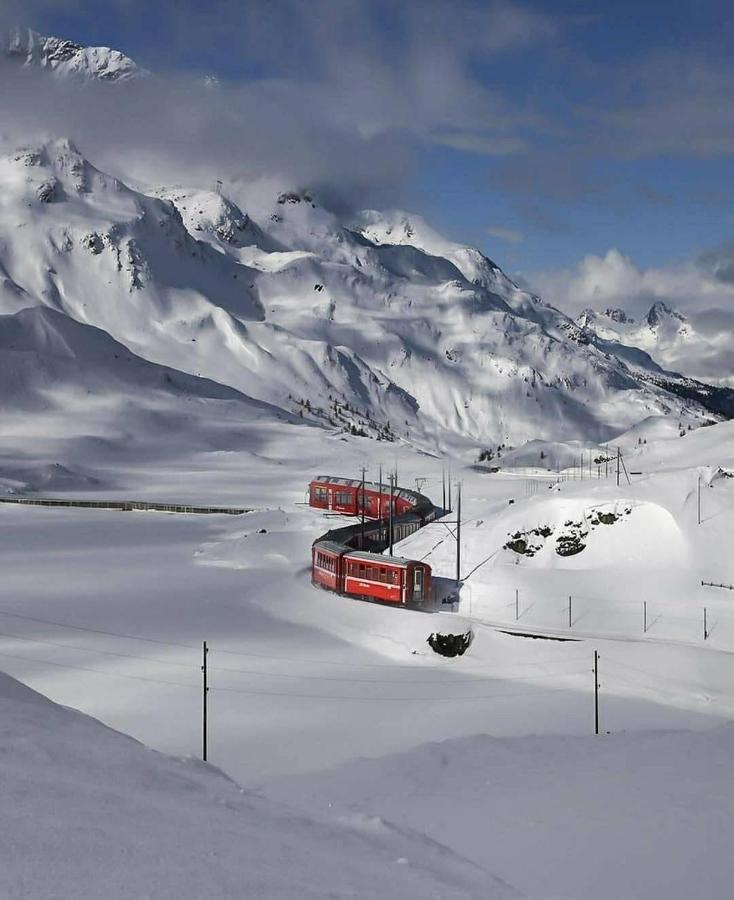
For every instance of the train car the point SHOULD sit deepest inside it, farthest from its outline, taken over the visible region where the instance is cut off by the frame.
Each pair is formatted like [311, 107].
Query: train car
[348, 559]
[334, 494]
[350, 495]
[327, 569]
[392, 579]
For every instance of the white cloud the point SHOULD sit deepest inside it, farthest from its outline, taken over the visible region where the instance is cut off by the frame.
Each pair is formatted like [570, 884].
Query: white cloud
[506, 234]
[486, 145]
[615, 280]
[327, 98]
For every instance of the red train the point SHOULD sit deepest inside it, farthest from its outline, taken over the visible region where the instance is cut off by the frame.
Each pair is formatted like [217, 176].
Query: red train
[341, 559]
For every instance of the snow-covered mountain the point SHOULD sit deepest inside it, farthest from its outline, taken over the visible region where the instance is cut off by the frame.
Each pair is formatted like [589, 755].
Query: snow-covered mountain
[66, 58]
[377, 324]
[672, 339]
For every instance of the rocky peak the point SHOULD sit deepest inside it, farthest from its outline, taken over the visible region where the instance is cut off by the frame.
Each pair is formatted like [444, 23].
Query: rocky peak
[660, 311]
[619, 316]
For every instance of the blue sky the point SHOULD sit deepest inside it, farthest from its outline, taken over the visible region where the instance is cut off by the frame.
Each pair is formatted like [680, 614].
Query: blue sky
[540, 132]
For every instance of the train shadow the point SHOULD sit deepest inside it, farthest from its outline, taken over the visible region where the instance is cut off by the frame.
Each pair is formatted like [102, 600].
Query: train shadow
[445, 595]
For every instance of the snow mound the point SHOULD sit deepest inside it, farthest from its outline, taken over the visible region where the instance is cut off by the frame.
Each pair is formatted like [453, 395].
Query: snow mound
[89, 812]
[588, 533]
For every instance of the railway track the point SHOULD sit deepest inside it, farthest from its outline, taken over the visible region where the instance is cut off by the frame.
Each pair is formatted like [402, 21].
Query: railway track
[128, 505]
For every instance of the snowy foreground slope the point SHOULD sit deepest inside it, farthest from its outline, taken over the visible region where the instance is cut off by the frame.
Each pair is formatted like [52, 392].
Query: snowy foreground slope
[645, 816]
[87, 813]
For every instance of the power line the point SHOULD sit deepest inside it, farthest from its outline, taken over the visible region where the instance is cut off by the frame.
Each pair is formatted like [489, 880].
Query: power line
[163, 662]
[47, 662]
[245, 654]
[298, 696]
[294, 675]
[134, 637]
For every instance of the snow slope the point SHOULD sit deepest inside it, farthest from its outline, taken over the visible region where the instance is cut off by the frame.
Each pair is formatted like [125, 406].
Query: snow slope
[89, 812]
[645, 816]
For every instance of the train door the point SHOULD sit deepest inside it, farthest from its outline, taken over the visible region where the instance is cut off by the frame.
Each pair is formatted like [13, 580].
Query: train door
[331, 498]
[418, 585]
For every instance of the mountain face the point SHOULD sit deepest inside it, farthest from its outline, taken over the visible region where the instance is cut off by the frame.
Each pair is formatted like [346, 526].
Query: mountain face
[376, 325]
[65, 58]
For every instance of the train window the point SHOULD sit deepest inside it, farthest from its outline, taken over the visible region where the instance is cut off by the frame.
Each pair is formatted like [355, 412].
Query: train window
[343, 498]
[319, 493]
[418, 584]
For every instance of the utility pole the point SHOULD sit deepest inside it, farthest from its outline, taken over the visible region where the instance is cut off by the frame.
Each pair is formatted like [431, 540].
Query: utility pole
[204, 707]
[449, 481]
[458, 533]
[618, 461]
[705, 629]
[379, 506]
[362, 540]
[392, 480]
[443, 489]
[596, 692]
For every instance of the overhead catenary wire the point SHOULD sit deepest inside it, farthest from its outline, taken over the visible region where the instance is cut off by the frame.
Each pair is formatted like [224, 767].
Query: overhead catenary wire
[240, 653]
[497, 676]
[503, 695]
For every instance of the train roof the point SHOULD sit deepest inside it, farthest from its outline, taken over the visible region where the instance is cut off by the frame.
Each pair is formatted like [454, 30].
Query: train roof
[378, 557]
[368, 485]
[331, 547]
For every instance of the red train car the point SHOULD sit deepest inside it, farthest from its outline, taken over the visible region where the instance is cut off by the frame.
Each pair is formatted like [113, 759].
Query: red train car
[327, 565]
[338, 566]
[388, 578]
[348, 496]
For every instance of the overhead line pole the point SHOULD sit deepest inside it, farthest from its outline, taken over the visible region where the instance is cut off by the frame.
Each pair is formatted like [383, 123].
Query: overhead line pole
[392, 479]
[205, 696]
[596, 692]
[379, 506]
[458, 533]
[362, 540]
